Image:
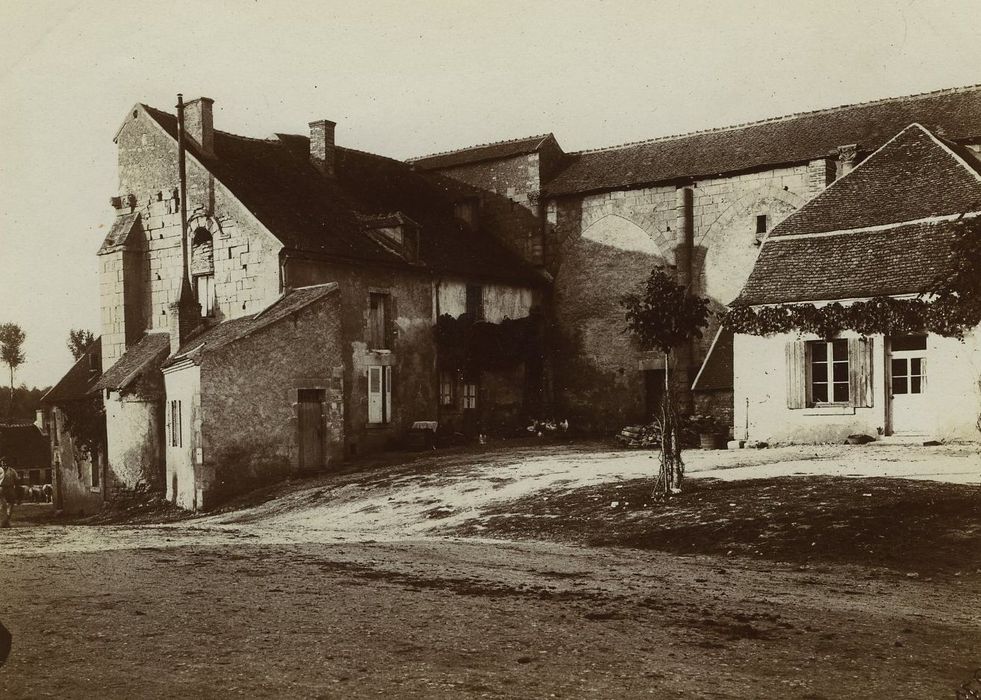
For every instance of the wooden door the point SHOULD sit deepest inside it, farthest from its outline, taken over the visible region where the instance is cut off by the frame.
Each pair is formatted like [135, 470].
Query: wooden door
[310, 422]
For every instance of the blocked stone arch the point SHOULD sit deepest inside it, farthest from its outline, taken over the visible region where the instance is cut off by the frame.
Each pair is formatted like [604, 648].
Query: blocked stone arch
[201, 220]
[617, 231]
[725, 252]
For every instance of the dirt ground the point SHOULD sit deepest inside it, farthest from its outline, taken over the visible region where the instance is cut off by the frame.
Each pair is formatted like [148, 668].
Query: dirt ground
[356, 586]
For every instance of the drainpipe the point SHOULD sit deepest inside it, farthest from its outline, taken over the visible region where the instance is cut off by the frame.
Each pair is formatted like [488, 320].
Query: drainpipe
[683, 258]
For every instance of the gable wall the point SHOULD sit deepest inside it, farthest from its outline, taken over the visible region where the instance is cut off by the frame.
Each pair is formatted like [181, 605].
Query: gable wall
[508, 190]
[245, 255]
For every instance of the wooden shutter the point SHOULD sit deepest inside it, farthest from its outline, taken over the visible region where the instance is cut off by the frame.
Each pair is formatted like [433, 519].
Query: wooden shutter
[375, 414]
[860, 372]
[796, 374]
[169, 415]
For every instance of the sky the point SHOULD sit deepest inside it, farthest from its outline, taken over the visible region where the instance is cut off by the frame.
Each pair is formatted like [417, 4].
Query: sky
[405, 79]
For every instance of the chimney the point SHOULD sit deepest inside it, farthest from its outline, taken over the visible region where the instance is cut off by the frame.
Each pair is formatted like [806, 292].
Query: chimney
[199, 124]
[322, 153]
[185, 317]
[846, 159]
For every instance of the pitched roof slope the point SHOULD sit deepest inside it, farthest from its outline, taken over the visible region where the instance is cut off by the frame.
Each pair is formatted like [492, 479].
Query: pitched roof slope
[797, 138]
[78, 380]
[913, 176]
[145, 356]
[477, 154]
[315, 214]
[826, 250]
[227, 332]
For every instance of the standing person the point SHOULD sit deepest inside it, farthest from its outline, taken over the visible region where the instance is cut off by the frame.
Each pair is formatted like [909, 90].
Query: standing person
[8, 492]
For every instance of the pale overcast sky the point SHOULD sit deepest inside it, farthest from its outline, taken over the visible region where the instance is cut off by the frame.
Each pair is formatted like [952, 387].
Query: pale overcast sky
[405, 79]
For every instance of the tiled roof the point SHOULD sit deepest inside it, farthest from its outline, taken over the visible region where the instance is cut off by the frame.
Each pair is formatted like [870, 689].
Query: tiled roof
[144, 357]
[913, 176]
[476, 154]
[885, 228]
[797, 138]
[315, 214]
[23, 446]
[228, 332]
[82, 376]
[904, 259]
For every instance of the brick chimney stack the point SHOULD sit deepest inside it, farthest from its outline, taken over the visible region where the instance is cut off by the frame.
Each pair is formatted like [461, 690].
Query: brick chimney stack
[322, 153]
[199, 124]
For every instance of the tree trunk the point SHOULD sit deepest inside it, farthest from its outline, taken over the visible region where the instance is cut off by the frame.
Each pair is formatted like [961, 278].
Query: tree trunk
[10, 407]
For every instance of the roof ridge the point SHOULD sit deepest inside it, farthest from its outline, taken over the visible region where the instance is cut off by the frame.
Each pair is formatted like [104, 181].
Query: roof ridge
[474, 147]
[774, 120]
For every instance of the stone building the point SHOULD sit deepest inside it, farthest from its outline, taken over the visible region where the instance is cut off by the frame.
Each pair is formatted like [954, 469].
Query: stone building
[291, 324]
[700, 203]
[76, 429]
[885, 230]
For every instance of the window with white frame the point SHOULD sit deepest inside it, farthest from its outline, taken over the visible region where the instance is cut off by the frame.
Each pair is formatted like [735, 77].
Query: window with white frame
[834, 372]
[379, 394]
[829, 371]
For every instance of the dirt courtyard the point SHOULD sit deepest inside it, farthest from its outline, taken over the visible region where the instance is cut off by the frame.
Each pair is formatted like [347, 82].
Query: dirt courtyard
[354, 586]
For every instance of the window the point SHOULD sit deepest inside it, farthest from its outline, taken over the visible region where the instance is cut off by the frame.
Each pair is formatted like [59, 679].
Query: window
[829, 371]
[203, 270]
[204, 290]
[94, 479]
[475, 302]
[760, 225]
[174, 427]
[445, 388]
[378, 321]
[469, 395]
[379, 394]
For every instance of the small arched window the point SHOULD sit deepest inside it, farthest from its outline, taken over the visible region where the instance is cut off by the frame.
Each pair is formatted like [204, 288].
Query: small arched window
[203, 269]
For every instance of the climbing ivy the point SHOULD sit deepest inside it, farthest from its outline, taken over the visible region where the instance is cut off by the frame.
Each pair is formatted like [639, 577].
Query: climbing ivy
[470, 345]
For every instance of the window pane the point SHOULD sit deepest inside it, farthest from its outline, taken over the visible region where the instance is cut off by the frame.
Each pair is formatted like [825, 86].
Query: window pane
[819, 372]
[819, 352]
[840, 349]
[899, 385]
[915, 385]
[841, 392]
[820, 393]
[909, 342]
[899, 368]
[841, 371]
[914, 366]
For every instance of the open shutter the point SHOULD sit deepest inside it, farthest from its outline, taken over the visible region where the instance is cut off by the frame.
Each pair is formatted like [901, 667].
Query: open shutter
[388, 394]
[796, 374]
[169, 414]
[375, 394]
[860, 372]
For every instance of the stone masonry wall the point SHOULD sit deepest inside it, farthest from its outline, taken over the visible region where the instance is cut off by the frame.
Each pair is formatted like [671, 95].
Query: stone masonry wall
[508, 201]
[248, 404]
[604, 245]
[412, 352]
[246, 256]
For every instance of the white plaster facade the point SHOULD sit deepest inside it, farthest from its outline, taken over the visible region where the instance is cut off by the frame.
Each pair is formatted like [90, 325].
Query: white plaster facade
[949, 408]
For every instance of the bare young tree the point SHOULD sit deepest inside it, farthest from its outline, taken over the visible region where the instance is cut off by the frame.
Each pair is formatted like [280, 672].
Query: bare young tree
[662, 317]
[11, 351]
[79, 340]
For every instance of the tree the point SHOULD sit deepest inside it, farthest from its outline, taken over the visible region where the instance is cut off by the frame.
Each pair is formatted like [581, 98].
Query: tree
[79, 340]
[11, 350]
[662, 317]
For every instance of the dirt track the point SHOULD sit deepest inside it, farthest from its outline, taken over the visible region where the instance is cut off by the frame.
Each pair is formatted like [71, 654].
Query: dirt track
[263, 607]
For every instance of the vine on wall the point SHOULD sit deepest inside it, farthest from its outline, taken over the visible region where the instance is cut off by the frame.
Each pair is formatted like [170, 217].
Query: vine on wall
[470, 345]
